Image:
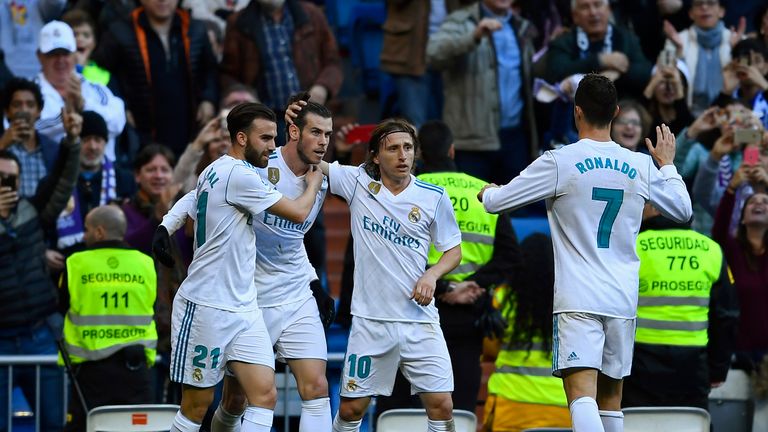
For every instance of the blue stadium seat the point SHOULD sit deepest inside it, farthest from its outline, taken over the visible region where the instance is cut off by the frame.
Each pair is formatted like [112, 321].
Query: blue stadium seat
[527, 226]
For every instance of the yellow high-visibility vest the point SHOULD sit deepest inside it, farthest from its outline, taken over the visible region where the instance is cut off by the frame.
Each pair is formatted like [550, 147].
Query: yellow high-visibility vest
[478, 227]
[524, 375]
[677, 270]
[111, 296]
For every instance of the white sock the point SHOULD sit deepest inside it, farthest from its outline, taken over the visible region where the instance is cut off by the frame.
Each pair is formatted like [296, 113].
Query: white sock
[315, 415]
[225, 422]
[584, 415]
[440, 426]
[257, 419]
[340, 425]
[613, 421]
[183, 424]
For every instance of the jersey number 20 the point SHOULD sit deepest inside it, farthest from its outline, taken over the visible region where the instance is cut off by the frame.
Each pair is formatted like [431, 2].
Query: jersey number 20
[613, 199]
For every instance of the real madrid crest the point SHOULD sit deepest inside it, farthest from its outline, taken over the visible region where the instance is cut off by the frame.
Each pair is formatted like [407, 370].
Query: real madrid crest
[374, 187]
[197, 375]
[351, 385]
[273, 175]
[414, 216]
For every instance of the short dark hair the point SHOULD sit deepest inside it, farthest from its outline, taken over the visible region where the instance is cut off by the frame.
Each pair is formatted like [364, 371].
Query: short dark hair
[149, 152]
[77, 17]
[311, 108]
[8, 155]
[744, 46]
[596, 96]
[241, 117]
[435, 138]
[21, 84]
[385, 128]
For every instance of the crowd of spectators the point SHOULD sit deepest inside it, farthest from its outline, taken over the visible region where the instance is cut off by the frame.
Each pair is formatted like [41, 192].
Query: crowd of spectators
[140, 88]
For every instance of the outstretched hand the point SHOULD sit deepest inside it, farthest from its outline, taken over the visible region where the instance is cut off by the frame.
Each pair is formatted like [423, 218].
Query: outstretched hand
[664, 151]
[482, 191]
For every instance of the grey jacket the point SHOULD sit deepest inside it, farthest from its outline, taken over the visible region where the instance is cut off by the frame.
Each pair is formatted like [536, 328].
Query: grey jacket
[470, 84]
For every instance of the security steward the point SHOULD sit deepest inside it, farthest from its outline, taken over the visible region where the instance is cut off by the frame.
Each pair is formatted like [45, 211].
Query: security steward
[687, 316]
[489, 255]
[108, 292]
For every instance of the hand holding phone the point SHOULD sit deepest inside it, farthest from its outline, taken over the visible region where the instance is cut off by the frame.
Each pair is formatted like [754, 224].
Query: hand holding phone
[751, 155]
[360, 134]
[666, 58]
[747, 137]
[8, 180]
[22, 123]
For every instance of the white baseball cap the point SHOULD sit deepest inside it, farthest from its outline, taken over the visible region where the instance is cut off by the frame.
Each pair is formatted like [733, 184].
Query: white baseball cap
[56, 35]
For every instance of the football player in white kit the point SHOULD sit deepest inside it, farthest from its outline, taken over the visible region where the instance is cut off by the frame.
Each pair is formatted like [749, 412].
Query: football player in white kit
[394, 218]
[216, 321]
[595, 192]
[284, 275]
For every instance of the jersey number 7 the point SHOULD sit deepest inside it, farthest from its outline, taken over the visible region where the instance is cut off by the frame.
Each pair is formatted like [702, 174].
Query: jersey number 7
[613, 199]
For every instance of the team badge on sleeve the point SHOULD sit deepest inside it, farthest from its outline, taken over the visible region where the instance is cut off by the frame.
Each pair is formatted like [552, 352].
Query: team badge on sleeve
[273, 174]
[414, 216]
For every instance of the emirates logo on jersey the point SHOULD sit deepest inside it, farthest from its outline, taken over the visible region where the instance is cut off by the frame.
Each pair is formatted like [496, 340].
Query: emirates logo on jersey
[414, 216]
[273, 175]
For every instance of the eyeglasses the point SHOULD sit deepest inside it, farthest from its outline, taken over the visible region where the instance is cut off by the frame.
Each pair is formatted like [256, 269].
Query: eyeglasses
[628, 122]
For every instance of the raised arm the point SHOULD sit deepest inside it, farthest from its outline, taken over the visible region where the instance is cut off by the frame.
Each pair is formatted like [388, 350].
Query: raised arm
[177, 215]
[298, 210]
[667, 191]
[51, 200]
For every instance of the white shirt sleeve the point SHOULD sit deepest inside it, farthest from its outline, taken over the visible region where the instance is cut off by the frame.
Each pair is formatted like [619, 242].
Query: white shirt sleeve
[343, 180]
[667, 192]
[444, 230]
[247, 190]
[100, 99]
[537, 182]
[177, 215]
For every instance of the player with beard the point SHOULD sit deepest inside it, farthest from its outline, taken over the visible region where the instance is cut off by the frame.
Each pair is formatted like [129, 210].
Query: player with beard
[216, 322]
[286, 281]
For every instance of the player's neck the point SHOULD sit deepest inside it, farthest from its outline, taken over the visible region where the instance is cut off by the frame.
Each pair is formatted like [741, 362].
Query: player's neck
[291, 157]
[587, 131]
[395, 186]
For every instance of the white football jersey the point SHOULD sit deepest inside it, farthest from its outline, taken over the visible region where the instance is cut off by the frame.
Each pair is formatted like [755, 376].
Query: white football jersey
[392, 234]
[229, 194]
[595, 194]
[283, 270]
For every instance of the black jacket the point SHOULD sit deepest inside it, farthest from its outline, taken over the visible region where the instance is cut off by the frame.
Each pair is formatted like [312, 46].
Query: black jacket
[128, 46]
[27, 294]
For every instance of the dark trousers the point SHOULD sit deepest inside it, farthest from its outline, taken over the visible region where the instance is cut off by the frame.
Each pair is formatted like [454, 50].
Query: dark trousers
[667, 376]
[121, 379]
